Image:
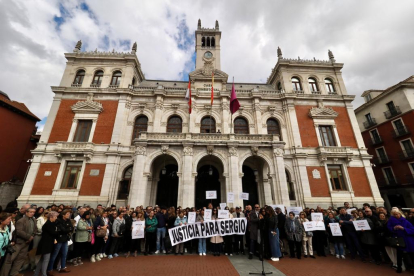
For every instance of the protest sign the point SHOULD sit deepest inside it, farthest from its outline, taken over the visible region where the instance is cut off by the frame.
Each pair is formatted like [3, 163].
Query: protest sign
[230, 197]
[349, 211]
[191, 217]
[318, 219]
[223, 214]
[138, 229]
[207, 229]
[309, 226]
[207, 214]
[361, 225]
[244, 196]
[211, 194]
[295, 210]
[335, 229]
[222, 206]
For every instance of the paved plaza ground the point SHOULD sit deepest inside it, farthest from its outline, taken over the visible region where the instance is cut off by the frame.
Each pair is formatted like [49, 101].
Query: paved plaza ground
[194, 265]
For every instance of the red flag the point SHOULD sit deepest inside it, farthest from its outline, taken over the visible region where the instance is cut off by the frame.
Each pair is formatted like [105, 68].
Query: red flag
[188, 96]
[234, 102]
[212, 88]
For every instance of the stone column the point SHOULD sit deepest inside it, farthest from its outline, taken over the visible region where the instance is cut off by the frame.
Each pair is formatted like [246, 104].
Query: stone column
[281, 183]
[235, 178]
[292, 126]
[302, 188]
[267, 191]
[139, 182]
[258, 116]
[111, 180]
[118, 133]
[186, 190]
[226, 116]
[158, 113]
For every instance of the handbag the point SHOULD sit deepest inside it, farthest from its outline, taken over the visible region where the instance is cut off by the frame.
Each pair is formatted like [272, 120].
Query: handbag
[397, 242]
[10, 249]
[100, 233]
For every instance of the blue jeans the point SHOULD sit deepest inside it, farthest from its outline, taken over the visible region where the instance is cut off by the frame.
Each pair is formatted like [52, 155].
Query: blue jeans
[202, 246]
[59, 247]
[339, 248]
[274, 244]
[161, 234]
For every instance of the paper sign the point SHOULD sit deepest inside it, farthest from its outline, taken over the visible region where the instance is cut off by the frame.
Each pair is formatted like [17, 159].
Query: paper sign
[318, 219]
[138, 229]
[244, 196]
[361, 225]
[207, 214]
[222, 206]
[191, 217]
[309, 226]
[223, 214]
[348, 211]
[211, 194]
[295, 210]
[230, 197]
[335, 229]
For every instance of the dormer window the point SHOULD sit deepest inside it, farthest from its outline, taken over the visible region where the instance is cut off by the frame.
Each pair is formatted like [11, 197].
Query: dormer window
[368, 97]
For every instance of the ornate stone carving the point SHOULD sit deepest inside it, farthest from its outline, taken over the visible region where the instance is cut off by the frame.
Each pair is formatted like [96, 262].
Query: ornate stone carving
[175, 106]
[210, 150]
[134, 47]
[252, 125]
[278, 151]
[159, 105]
[225, 106]
[150, 123]
[88, 157]
[279, 53]
[255, 150]
[322, 112]
[233, 151]
[164, 149]
[130, 123]
[188, 151]
[128, 105]
[185, 124]
[88, 106]
[163, 123]
[331, 56]
[140, 150]
[78, 46]
[197, 124]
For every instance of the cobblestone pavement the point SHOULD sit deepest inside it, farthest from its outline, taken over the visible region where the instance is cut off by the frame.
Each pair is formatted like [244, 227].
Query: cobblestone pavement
[194, 265]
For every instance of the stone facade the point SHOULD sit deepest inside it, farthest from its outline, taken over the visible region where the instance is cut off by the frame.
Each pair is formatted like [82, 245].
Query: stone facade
[291, 165]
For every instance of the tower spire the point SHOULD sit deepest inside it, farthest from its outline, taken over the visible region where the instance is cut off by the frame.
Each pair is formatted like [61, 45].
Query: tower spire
[199, 24]
[217, 25]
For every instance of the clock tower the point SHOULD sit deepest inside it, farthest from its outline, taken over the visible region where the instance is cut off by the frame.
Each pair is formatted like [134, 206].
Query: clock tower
[207, 46]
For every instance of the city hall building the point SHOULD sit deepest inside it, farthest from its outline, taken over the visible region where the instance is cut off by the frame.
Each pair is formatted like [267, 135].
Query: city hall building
[114, 137]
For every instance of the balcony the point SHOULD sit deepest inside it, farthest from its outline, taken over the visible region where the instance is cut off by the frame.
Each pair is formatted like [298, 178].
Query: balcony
[370, 123]
[376, 141]
[381, 160]
[113, 85]
[406, 154]
[76, 85]
[95, 85]
[398, 132]
[299, 91]
[316, 92]
[392, 112]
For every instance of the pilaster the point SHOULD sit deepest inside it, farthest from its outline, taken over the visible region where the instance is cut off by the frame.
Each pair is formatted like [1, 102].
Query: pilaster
[186, 190]
[139, 182]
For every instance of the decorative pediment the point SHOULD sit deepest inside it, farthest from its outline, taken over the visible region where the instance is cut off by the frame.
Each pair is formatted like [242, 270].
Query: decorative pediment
[89, 106]
[322, 113]
[206, 72]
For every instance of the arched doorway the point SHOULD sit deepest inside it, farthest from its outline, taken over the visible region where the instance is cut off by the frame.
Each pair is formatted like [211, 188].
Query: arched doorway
[256, 182]
[249, 185]
[167, 188]
[125, 184]
[209, 178]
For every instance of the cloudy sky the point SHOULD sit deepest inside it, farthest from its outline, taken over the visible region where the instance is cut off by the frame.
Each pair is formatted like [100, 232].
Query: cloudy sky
[374, 39]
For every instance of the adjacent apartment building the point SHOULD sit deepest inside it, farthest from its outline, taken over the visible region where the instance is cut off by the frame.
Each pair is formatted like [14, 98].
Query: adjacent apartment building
[386, 120]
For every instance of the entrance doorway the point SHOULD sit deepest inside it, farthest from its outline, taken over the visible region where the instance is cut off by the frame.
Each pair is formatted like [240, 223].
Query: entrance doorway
[167, 188]
[249, 185]
[207, 180]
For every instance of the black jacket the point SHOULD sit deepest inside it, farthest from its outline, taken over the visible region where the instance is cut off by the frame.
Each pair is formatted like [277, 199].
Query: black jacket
[49, 234]
[65, 230]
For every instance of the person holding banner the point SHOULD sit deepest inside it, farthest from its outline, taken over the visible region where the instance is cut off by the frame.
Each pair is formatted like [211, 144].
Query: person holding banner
[202, 247]
[136, 243]
[349, 232]
[294, 231]
[181, 220]
[228, 239]
[306, 237]
[217, 240]
[336, 240]
[271, 223]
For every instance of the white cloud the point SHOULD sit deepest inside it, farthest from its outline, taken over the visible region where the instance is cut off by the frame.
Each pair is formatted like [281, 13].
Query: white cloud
[372, 38]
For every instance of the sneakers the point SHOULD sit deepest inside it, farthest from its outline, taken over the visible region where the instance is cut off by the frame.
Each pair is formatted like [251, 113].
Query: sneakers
[64, 270]
[104, 255]
[201, 254]
[75, 262]
[110, 257]
[80, 261]
[226, 254]
[275, 259]
[231, 255]
[157, 252]
[337, 256]
[98, 258]
[204, 254]
[93, 259]
[163, 252]
[116, 255]
[342, 257]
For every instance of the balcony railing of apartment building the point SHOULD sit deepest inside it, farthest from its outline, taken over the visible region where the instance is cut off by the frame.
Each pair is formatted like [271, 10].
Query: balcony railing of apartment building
[370, 123]
[398, 132]
[381, 160]
[392, 112]
[406, 154]
[376, 141]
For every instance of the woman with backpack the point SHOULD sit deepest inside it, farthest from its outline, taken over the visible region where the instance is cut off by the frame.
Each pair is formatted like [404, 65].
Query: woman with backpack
[118, 230]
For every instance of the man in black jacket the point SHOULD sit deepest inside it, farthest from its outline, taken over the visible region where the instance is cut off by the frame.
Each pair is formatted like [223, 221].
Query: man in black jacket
[349, 232]
[281, 220]
[253, 226]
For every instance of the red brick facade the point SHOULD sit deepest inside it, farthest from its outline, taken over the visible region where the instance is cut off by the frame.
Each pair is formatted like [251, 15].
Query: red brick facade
[359, 181]
[91, 185]
[44, 185]
[318, 186]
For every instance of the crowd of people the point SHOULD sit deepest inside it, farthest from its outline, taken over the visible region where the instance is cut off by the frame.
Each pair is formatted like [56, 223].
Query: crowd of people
[54, 237]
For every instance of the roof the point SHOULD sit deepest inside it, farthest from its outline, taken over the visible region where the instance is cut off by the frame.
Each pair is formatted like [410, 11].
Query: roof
[16, 106]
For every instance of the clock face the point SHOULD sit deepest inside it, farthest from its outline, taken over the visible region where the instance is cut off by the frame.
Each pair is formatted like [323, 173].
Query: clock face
[208, 55]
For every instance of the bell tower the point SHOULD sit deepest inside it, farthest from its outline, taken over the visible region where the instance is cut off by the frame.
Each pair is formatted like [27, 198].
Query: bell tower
[207, 46]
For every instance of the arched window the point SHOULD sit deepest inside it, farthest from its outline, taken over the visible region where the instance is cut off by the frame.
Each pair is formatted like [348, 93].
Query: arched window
[273, 127]
[175, 124]
[79, 77]
[203, 42]
[208, 125]
[279, 86]
[313, 85]
[329, 86]
[133, 81]
[241, 126]
[141, 124]
[208, 42]
[213, 42]
[97, 78]
[116, 78]
[296, 84]
[125, 183]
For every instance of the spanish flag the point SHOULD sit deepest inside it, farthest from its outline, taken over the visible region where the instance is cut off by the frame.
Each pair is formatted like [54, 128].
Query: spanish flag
[188, 96]
[212, 88]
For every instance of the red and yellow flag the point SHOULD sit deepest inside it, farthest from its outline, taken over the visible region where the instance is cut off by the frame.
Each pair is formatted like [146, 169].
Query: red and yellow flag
[212, 88]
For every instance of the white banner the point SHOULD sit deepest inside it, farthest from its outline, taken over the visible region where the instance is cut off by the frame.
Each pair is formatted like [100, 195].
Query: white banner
[244, 196]
[211, 194]
[361, 225]
[335, 229]
[138, 229]
[318, 219]
[207, 214]
[230, 197]
[191, 217]
[207, 229]
[223, 214]
[295, 210]
[309, 226]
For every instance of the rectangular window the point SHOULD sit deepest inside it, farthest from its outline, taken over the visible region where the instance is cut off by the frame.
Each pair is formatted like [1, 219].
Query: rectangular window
[399, 125]
[375, 136]
[368, 97]
[369, 118]
[389, 176]
[71, 177]
[327, 137]
[381, 154]
[83, 131]
[391, 106]
[337, 178]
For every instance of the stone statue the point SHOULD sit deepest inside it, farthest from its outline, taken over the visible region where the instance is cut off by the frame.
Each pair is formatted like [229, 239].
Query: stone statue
[331, 56]
[199, 24]
[279, 52]
[134, 47]
[78, 46]
[217, 25]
